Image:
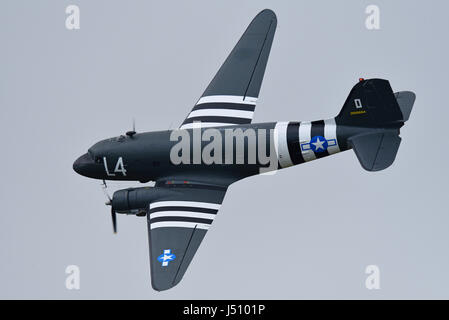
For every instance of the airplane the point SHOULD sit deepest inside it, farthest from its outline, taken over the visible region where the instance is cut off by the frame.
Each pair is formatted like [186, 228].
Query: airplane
[191, 178]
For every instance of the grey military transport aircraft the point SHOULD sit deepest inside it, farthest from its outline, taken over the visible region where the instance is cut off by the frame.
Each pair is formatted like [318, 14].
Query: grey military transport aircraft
[189, 188]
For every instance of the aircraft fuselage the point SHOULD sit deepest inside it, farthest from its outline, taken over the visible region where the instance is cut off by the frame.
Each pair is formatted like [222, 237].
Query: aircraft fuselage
[220, 154]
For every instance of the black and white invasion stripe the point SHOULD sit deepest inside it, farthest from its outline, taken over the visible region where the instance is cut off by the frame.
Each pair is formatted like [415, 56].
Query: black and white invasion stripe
[317, 129]
[330, 132]
[220, 110]
[182, 214]
[292, 141]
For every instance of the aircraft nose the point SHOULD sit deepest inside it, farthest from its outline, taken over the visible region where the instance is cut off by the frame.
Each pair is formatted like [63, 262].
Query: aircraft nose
[82, 164]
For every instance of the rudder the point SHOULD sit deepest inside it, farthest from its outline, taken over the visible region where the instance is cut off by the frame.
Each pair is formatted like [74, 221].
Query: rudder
[406, 100]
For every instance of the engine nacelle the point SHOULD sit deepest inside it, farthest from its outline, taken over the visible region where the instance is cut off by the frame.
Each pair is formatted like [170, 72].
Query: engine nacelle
[133, 200]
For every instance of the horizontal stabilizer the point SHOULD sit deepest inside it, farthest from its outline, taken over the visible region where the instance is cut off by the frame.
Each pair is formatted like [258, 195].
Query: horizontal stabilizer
[376, 151]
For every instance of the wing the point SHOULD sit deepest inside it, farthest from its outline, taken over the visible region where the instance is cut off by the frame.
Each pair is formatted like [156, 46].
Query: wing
[232, 95]
[177, 223]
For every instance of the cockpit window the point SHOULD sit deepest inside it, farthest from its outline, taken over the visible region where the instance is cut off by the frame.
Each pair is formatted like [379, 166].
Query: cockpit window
[120, 138]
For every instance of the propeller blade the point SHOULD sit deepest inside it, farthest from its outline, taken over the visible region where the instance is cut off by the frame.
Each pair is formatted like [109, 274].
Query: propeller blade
[114, 220]
[105, 191]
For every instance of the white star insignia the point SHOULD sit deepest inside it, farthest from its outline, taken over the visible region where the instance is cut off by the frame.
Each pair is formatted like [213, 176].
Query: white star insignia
[318, 144]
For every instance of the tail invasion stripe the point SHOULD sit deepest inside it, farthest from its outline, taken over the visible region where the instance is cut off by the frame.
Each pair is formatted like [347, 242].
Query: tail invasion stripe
[294, 148]
[317, 130]
[179, 224]
[305, 129]
[280, 144]
[330, 133]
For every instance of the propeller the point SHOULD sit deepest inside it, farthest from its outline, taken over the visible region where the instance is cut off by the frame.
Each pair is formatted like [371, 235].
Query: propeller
[104, 187]
[109, 203]
[114, 220]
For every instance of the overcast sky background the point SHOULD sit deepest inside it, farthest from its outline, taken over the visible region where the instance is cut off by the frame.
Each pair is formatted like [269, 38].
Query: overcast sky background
[306, 232]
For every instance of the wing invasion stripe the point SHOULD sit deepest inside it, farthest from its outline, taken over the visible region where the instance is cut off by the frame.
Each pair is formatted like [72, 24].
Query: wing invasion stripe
[183, 219]
[230, 106]
[233, 120]
[182, 214]
[227, 99]
[179, 224]
[221, 113]
[204, 125]
[178, 208]
[194, 204]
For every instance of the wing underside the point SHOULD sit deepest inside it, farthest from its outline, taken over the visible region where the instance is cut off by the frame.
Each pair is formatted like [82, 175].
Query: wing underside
[176, 226]
[231, 96]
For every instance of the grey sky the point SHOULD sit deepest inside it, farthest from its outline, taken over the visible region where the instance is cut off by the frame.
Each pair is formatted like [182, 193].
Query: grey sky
[307, 232]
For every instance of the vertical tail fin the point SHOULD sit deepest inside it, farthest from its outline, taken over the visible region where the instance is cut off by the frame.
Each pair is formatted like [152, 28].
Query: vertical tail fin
[371, 103]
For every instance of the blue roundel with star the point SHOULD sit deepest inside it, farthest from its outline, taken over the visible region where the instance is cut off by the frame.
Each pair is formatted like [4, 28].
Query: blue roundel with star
[166, 257]
[318, 144]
